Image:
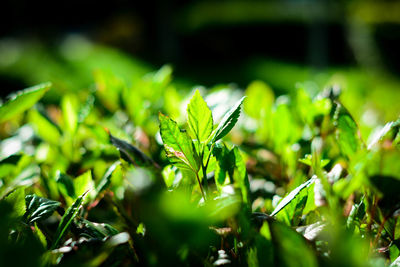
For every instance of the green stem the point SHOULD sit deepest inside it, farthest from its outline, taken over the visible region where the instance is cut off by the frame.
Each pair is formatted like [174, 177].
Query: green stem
[201, 186]
[204, 169]
[209, 156]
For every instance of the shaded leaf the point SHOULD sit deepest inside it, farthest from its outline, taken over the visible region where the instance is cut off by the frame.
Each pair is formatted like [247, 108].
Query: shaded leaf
[22, 101]
[97, 230]
[67, 219]
[131, 153]
[291, 247]
[39, 208]
[65, 185]
[389, 187]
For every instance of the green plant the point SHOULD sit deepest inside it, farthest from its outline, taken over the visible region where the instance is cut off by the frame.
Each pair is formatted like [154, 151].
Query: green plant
[91, 180]
[192, 152]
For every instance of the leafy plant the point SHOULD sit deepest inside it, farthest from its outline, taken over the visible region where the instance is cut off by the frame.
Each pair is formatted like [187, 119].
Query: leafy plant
[193, 152]
[94, 179]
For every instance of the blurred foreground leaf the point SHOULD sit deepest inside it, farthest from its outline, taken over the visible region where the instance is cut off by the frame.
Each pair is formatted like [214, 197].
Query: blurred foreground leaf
[22, 101]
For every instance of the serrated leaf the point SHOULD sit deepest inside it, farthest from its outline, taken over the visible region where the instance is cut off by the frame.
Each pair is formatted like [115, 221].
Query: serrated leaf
[286, 200]
[131, 153]
[199, 117]
[22, 101]
[178, 145]
[378, 136]
[228, 121]
[67, 219]
[39, 208]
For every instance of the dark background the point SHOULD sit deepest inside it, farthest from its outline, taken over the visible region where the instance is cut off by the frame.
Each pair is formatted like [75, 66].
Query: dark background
[309, 33]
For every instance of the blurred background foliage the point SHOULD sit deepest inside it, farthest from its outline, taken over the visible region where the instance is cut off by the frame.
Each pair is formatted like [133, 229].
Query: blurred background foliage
[350, 43]
[114, 66]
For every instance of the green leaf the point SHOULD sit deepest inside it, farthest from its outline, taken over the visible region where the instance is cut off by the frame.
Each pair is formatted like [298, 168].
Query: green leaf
[347, 133]
[41, 236]
[308, 160]
[65, 185]
[17, 200]
[97, 230]
[228, 121]
[312, 231]
[106, 180]
[225, 161]
[356, 215]
[395, 263]
[291, 247]
[67, 219]
[258, 92]
[178, 145]
[240, 175]
[83, 183]
[286, 200]
[131, 153]
[39, 208]
[70, 112]
[199, 117]
[44, 128]
[169, 175]
[22, 101]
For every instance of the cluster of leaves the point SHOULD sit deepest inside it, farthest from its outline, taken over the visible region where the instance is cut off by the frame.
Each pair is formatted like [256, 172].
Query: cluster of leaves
[97, 180]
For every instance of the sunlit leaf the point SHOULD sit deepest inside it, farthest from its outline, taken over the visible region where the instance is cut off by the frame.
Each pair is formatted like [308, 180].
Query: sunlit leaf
[347, 133]
[17, 199]
[228, 121]
[22, 101]
[179, 147]
[83, 183]
[286, 200]
[199, 117]
[44, 128]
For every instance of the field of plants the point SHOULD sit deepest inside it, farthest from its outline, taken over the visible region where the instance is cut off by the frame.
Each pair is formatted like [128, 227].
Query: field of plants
[108, 163]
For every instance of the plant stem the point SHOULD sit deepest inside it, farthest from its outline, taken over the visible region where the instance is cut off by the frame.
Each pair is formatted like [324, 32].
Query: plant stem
[204, 169]
[201, 187]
